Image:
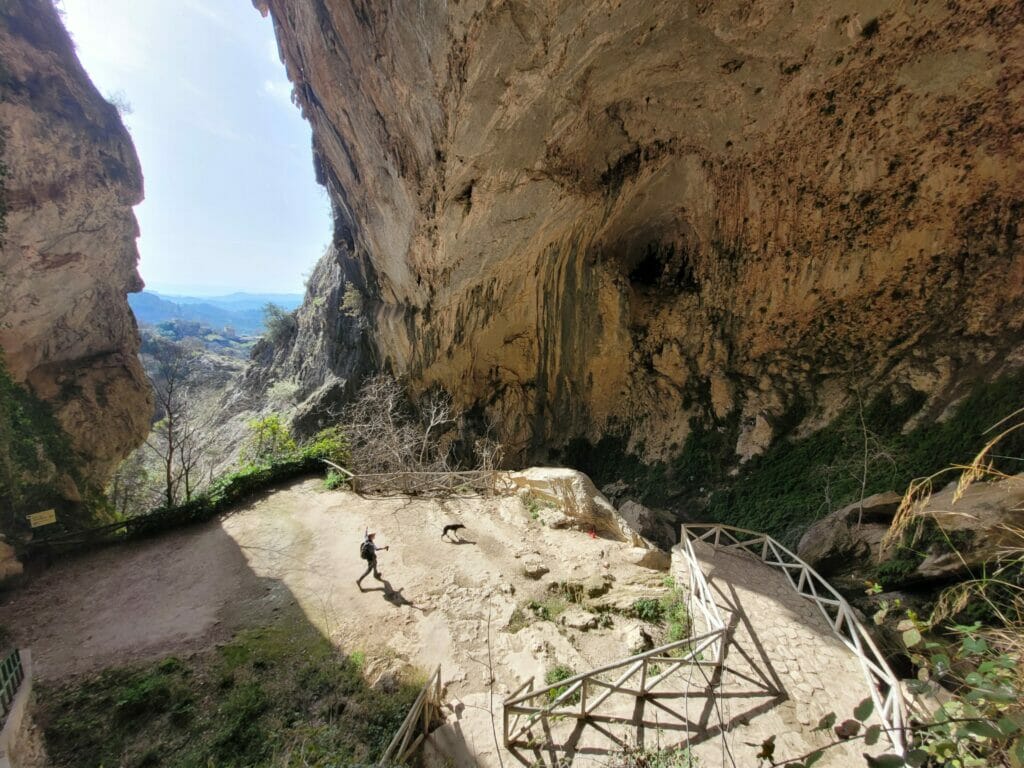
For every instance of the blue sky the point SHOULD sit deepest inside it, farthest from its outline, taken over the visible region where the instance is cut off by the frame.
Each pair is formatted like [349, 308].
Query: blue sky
[231, 202]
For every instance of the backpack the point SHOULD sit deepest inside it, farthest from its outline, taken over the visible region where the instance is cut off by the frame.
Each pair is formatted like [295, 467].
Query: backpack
[366, 550]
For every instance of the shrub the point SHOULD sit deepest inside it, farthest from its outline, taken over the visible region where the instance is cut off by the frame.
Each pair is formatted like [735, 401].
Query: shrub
[269, 441]
[279, 324]
[649, 609]
[330, 444]
[556, 674]
[335, 480]
[282, 393]
[352, 301]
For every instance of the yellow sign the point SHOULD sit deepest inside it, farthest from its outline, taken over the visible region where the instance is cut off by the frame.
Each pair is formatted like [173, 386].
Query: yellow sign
[45, 517]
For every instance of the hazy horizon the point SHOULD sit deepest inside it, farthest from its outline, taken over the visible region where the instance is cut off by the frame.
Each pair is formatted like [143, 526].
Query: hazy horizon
[231, 200]
[194, 291]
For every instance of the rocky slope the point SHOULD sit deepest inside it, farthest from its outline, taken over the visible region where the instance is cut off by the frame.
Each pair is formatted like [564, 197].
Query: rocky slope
[69, 254]
[589, 218]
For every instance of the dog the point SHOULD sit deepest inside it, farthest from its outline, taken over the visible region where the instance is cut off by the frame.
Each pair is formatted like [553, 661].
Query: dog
[451, 528]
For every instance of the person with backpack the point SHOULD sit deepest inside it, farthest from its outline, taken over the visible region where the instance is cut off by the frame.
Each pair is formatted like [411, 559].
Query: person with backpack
[368, 551]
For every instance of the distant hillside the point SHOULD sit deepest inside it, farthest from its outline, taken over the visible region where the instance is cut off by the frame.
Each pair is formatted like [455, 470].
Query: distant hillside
[238, 301]
[241, 311]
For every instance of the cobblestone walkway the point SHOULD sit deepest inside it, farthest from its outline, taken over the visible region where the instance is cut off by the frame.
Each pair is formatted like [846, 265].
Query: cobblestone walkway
[783, 671]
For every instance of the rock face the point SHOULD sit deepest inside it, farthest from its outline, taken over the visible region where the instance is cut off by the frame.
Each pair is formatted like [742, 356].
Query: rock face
[583, 218]
[980, 525]
[69, 254]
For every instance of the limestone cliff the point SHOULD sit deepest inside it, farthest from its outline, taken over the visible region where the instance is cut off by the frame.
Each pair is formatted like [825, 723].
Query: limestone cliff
[69, 253]
[595, 217]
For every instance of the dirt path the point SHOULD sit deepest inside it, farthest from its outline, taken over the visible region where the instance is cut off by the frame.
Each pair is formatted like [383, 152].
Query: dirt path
[440, 603]
[299, 544]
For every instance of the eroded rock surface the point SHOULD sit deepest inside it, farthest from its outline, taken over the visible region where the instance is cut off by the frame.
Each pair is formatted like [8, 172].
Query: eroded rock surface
[589, 217]
[951, 535]
[69, 254]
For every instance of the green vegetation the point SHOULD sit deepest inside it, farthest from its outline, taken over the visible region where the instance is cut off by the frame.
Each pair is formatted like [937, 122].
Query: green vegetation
[518, 620]
[335, 480]
[669, 610]
[352, 301]
[280, 324]
[222, 340]
[798, 480]
[34, 449]
[668, 757]
[650, 610]
[279, 696]
[269, 441]
[534, 504]
[556, 674]
[548, 609]
[228, 490]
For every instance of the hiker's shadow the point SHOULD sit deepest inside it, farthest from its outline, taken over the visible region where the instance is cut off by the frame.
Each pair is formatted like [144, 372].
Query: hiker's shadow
[394, 596]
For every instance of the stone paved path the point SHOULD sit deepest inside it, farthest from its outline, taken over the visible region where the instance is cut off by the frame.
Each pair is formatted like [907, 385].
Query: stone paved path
[783, 670]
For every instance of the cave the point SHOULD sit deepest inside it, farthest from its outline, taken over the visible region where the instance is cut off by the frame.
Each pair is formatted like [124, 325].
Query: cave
[665, 267]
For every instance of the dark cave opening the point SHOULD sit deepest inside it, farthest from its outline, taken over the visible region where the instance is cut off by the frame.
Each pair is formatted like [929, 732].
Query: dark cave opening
[664, 266]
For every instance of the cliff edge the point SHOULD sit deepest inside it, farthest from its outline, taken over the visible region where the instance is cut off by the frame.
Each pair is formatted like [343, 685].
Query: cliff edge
[69, 255]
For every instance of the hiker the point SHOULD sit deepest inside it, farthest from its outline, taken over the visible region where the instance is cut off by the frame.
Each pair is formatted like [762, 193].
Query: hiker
[368, 551]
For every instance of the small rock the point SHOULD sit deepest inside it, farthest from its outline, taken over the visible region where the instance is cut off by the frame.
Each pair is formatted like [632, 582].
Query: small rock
[578, 619]
[534, 568]
[595, 586]
[635, 638]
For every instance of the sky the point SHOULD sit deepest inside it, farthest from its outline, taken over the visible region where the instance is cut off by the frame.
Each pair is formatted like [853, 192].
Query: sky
[231, 201]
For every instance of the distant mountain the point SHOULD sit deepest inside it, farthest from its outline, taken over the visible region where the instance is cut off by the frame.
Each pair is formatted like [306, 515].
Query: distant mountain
[237, 301]
[241, 311]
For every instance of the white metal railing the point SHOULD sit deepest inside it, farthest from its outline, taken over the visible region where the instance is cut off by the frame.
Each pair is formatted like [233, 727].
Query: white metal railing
[700, 594]
[417, 723]
[884, 686]
[576, 700]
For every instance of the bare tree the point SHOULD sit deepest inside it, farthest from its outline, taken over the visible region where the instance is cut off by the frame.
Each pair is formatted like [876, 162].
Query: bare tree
[387, 434]
[177, 438]
[131, 489]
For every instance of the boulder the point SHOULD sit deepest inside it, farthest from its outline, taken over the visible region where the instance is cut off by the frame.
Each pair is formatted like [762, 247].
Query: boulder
[578, 501]
[595, 586]
[984, 523]
[649, 523]
[553, 518]
[837, 541]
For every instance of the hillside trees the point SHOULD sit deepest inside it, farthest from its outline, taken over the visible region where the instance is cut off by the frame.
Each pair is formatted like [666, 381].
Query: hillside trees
[280, 324]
